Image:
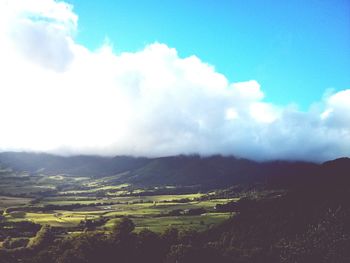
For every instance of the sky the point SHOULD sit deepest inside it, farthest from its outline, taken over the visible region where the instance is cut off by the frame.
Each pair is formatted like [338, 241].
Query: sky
[295, 49]
[256, 79]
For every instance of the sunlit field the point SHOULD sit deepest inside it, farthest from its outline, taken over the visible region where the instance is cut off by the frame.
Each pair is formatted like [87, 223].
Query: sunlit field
[67, 202]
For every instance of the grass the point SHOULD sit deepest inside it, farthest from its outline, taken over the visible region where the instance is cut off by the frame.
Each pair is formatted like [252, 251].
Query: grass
[150, 211]
[7, 201]
[159, 224]
[76, 199]
[146, 215]
[65, 219]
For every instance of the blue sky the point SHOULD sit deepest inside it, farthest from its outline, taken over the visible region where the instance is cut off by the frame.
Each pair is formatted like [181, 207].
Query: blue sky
[295, 49]
[252, 79]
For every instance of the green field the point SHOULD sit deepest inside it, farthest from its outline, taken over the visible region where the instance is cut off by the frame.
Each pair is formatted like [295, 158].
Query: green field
[149, 215]
[159, 224]
[8, 201]
[67, 202]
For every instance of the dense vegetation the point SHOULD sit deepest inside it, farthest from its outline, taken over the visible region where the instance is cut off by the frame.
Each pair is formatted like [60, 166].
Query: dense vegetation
[296, 227]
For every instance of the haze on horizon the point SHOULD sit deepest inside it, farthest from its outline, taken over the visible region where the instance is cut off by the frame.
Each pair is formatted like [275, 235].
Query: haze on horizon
[57, 95]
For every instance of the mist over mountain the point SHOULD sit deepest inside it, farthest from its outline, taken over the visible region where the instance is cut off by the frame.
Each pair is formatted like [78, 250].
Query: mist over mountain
[79, 165]
[211, 171]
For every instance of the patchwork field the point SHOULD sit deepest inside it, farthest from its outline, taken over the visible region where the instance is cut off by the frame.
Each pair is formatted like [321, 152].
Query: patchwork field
[78, 203]
[8, 201]
[152, 215]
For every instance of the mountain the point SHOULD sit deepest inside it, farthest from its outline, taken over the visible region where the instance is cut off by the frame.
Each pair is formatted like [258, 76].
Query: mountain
[338, 167]
[216, 171]
[192, 170]
[81, 165]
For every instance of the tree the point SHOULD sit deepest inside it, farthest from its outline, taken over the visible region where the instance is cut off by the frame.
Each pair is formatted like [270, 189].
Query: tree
[123, 241]
[123, 228]
[170, 236]
[149, 247]
[43, 237]
[181, 254]
[11, 243]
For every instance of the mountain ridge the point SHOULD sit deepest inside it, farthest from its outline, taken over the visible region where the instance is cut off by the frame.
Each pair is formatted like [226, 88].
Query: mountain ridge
[213, 171]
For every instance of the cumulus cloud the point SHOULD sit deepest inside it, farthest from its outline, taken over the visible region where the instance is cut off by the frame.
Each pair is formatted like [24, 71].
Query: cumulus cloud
[58, 96]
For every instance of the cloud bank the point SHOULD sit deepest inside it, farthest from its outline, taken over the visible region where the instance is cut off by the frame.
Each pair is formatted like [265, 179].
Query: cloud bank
[57, 96]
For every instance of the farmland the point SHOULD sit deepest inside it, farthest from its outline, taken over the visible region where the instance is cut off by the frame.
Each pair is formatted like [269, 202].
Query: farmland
[75, 204]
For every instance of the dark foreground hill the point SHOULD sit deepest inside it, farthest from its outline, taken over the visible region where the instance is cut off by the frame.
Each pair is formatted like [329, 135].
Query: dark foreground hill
[212, 171]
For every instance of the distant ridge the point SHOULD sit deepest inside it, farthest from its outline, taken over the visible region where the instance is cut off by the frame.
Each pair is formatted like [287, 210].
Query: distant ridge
[79, 165]
[211, 171]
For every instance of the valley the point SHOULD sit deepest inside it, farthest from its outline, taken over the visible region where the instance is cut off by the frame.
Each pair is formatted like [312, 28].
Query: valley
[86, 208]
[74, 204]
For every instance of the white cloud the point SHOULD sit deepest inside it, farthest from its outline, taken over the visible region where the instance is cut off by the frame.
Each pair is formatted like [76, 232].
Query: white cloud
[58, 96]
[337, 112]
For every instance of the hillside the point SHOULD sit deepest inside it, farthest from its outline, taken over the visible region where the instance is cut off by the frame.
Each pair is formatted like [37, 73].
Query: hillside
[81, 165]
[212, 171]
